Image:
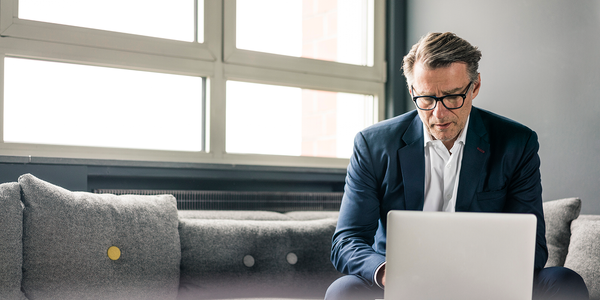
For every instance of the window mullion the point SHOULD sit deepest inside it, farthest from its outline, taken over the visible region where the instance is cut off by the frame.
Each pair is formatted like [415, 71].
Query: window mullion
[213, 32]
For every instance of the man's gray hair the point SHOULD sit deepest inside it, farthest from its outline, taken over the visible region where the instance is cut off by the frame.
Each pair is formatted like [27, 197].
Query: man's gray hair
[438, 50]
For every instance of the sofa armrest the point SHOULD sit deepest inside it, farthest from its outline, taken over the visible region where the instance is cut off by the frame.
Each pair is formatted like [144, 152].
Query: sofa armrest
[11, 241]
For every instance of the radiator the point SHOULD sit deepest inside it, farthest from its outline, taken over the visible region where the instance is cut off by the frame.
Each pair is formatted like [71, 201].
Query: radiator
[231, 200]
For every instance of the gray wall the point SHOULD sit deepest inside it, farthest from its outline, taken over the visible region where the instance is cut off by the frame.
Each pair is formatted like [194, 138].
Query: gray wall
[540, 67]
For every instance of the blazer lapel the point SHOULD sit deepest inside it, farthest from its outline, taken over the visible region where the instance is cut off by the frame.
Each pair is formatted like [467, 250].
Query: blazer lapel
[412, 165]
[475, 156]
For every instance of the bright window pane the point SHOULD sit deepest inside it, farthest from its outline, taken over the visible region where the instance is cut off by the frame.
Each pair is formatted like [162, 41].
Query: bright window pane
[68, 104]
[268, 119]
[333, 30]
[163, 19]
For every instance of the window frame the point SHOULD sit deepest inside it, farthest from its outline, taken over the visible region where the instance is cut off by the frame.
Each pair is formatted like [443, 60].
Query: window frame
[12, 26]
[216, 59]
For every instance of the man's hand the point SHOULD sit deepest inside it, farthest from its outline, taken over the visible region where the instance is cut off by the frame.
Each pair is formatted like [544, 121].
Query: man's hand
[381, 276]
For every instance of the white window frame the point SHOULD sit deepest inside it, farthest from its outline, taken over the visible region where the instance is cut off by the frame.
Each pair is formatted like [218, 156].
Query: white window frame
[216, 59]
[12, 26]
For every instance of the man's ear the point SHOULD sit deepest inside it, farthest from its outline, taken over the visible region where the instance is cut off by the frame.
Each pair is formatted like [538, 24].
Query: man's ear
[477, 86]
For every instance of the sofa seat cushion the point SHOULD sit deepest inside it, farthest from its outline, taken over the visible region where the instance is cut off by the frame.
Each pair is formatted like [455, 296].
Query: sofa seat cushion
[67, 237]
[225, 259]
[11, 237]
[558, 215]
[584, 252]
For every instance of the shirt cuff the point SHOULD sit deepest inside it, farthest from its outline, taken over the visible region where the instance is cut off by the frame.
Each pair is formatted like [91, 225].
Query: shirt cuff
[379, 269]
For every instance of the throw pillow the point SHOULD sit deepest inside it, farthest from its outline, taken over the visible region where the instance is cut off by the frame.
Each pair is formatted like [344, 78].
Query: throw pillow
[558, 215]
[584, 252]
[79, 245]
[11, 245]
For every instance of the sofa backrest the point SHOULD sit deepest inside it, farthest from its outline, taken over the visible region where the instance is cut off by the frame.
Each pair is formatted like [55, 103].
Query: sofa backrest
[242, 257]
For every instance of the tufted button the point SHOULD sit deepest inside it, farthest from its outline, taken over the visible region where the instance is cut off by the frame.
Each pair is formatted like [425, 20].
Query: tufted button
[248, 261]
[292, 258]
[114, 253]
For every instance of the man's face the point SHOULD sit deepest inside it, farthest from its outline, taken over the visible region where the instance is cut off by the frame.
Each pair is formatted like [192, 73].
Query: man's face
[444, 124]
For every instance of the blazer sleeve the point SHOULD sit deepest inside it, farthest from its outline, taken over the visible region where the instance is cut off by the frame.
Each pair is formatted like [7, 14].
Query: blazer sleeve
[524, 195]
[352, 244]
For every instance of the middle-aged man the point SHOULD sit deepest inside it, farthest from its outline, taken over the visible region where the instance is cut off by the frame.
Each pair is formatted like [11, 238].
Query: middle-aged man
[445, 155]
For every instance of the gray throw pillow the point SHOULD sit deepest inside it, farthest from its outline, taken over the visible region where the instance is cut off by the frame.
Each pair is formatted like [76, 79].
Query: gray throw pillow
[558, 215]
[584, 252]
[225, 259]
[69, 241]
[11, 245]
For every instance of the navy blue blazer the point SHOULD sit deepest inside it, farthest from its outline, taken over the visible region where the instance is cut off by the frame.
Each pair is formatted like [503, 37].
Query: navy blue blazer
[500, 173]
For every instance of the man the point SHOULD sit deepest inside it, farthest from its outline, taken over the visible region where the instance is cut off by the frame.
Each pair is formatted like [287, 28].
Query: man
[445, 155]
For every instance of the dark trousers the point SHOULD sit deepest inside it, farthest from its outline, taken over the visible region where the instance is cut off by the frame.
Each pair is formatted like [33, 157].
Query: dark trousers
[556, 283]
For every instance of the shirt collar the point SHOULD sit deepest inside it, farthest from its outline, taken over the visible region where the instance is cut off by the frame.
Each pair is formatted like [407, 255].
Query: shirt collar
[462, 137]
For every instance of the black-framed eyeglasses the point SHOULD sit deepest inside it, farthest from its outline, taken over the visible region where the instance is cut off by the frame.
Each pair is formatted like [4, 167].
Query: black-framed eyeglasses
[454, 101]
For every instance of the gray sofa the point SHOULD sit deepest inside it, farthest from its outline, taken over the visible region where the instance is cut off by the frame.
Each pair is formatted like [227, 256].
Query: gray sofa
[54, 245]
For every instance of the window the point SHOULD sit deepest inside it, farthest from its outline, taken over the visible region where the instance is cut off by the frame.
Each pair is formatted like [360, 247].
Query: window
[131, 16]
[294, 121]
[257, 82]
[129, 109]
[332, 30]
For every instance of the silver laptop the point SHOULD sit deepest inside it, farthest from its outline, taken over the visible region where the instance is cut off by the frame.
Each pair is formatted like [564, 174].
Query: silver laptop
[459, 256]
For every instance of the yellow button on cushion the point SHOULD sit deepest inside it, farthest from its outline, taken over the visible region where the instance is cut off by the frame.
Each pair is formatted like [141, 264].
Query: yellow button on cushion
[114, 253]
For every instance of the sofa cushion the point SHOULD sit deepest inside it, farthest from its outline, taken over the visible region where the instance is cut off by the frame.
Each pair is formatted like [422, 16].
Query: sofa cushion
[558, 215]
[223, 259]
[584, 252]
[11, 237]
[67, 237]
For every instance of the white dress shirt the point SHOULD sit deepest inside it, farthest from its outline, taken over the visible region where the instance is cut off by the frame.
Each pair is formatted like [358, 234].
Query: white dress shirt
[442, 169]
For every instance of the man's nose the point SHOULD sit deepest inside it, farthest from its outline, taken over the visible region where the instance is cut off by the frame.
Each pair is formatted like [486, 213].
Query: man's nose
[440, 110]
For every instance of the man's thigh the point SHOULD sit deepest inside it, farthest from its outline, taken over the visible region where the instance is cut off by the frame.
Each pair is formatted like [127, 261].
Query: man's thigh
[352, 287]
[559, 283]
